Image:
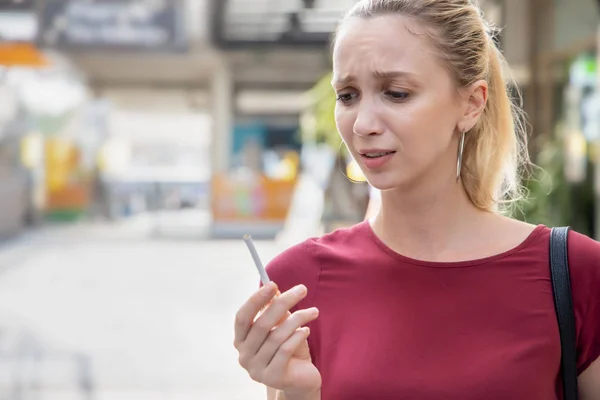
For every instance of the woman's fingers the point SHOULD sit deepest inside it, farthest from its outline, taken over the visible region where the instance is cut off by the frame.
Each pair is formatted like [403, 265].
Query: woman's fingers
[283, 333]
[285, 352]
[276, 313]
[244, 318]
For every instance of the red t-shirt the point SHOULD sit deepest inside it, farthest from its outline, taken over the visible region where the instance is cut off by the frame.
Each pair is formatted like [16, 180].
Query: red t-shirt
[391, 327]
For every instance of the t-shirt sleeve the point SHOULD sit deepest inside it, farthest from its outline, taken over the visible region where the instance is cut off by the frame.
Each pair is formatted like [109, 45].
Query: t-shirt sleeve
[297, 265]
[584, 263]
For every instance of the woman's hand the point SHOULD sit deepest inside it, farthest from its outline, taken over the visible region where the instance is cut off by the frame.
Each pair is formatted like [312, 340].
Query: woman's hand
[273, 348]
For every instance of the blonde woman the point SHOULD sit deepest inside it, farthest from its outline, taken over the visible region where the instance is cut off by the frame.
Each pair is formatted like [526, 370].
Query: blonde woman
[439, 296]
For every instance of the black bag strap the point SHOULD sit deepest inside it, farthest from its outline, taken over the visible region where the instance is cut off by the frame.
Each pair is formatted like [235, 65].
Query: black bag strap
[563, 301]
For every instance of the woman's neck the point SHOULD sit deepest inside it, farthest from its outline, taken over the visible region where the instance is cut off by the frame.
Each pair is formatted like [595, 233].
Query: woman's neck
[431, 225]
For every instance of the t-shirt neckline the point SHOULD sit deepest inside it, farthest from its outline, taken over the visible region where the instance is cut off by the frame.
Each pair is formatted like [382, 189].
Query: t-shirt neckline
[366, 225]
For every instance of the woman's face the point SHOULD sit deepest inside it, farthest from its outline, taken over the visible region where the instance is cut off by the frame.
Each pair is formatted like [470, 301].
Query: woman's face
[398, 110]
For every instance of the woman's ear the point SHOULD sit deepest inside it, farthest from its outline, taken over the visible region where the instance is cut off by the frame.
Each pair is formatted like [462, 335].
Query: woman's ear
[476, 97]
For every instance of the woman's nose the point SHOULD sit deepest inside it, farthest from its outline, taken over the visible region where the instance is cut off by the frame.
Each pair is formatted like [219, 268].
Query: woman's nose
[367, 121]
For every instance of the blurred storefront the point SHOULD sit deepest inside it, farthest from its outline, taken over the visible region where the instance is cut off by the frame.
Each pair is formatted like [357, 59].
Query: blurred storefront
[13, 177]
[272, 63]
[240, 81]
[155, 161]
[22, 200]
[147, 108]
[50, 96]
[567, 108]
[149, 59]
[55, 102]
[255, 192]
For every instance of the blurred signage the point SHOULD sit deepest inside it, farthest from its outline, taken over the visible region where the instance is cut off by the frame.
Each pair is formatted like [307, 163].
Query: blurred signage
[17, 26]
[250, 198]
[17, 5]
[113, 24]
[21, 55]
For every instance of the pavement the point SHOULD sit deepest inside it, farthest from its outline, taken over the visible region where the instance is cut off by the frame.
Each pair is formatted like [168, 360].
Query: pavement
[124, 312]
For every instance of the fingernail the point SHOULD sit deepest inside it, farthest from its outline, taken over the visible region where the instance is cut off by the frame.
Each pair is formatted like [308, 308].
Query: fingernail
[299, 290]
[268, 290]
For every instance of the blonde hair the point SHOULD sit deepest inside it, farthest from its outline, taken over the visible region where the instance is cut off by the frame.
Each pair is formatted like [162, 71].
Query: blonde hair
[495, 150]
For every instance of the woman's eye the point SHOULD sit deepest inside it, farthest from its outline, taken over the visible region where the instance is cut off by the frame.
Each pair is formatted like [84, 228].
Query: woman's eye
[397, 95]
[346, 97]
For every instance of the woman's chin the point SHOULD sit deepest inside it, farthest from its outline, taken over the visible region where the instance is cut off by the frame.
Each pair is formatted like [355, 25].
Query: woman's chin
[385, 183]
[397, 183]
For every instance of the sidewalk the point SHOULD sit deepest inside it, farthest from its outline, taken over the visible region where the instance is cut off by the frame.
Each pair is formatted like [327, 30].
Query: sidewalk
[153, 316]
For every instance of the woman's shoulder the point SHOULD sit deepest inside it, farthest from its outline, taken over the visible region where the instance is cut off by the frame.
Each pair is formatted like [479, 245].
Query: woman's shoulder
[584, 252]
[583, 258]
[584, 266]
[302, 262]
[295, 265]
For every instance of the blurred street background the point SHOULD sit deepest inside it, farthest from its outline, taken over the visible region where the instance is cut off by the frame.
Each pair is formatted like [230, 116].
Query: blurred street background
[141, 139]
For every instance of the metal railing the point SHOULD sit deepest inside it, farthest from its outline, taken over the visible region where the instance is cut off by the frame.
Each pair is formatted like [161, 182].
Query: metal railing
[28, 369]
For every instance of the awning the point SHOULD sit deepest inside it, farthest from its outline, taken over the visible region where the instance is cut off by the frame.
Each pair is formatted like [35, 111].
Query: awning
[261, 23]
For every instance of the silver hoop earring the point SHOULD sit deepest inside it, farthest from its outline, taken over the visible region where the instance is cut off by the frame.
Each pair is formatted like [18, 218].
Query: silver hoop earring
[461, 148]
[341, 160]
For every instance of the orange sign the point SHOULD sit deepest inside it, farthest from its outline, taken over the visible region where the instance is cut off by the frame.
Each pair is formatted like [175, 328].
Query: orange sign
[21, 55]
[64, 187]
[250, 198]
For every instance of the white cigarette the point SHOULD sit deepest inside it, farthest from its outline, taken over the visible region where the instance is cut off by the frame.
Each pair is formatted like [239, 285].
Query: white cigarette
[264, 278]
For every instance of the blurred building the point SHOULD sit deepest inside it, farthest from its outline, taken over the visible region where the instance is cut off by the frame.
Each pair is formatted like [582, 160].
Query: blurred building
[561, 98]
[245, 65]
[227, 79]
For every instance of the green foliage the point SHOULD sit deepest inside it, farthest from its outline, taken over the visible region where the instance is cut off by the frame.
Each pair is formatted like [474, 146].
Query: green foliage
[548, 201]
[319, 120]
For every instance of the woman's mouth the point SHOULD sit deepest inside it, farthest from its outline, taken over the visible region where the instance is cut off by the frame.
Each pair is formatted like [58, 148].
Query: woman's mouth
[377, 154]
[374, 159]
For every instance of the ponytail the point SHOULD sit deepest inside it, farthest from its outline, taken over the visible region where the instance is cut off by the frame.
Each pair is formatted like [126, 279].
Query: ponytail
[493, 147]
